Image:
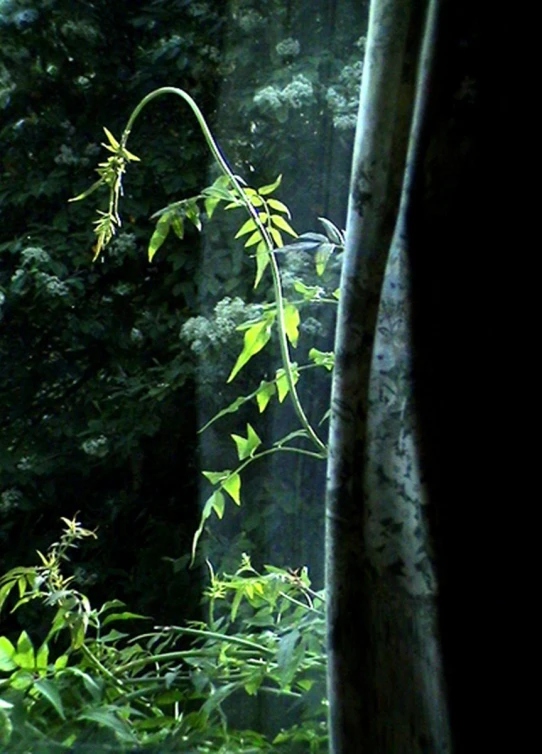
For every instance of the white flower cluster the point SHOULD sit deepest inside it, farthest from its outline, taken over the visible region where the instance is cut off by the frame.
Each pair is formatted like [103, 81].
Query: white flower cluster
[124, 243]
[10, 499]
[299, 92]
[250, 20]
[296, 94]
[97, 447]
[34, 256]
[52, 285]
[343, 97]
[288, 48]
[205, 332]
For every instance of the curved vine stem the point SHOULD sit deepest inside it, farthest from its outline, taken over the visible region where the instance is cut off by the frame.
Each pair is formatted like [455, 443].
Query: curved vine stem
[277, 287]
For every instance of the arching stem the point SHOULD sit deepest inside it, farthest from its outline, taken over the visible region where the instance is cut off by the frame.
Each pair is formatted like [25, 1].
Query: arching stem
[277, 287]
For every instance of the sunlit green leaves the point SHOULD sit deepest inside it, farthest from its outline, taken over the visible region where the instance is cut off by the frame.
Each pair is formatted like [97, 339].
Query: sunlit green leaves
[264, 394]
[283, 387]
[279, 222]
[256, 336]
[159, 236]
[246, 446]
[322, 358]
[291, 323]
[232, 485]
[269, 188]
[7, 653]
[25, 656]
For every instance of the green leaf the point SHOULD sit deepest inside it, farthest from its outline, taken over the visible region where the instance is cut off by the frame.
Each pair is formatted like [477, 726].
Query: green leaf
[235, 603]
[7, 653]
[322, 358]
[247, 227]
[262, 260]
[333, 233]
[25, 656]
[309, 292]
[61, 662]
[178, 227]
[214, 503]
[279, 222]
[282, 382]
[218, 503]
[228, 410]
[21, 680]
[160, 234]
[4, 592]
[246, 445]
[255, 238]
[42, 656]
[265, 392]
[269, 188]
[322, 256]
[278, 206]
[108, 719]
[192, 213]
[123, 616]
[110, 604]
[232, 485]
[287, 657]
[252, 686]
[277, 238]
[256, 337]
[49, 690]
[114, 143]
[216, 477]
[291, 323]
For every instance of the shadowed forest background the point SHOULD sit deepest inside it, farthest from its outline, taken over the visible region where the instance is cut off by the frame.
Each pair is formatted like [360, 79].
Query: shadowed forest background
[108, 369]
[98, 384]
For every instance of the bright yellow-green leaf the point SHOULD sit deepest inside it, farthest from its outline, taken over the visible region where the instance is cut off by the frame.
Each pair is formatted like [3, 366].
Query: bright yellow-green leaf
[322, 358]
[216, 477]
[218, 503]
[211, 203]
[291, 323]
[270, 187]
[232, 485]
[178, 227]
[283, 224]
[160, 234]
[42, 656]
[114, 143]
[282, 382]
[246, 445]
[130, 155]
[247, 227]
[255, 339]
[277, 238]
[265, 392]
[7, 653]
[256, 237]
[262, 260]
[25, 656]
[279, 206]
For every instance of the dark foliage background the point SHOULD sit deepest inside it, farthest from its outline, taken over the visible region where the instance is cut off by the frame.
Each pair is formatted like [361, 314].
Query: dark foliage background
[98, 391]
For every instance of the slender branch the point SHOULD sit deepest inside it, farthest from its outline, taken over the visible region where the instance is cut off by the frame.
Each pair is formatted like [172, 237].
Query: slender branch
[277, 287]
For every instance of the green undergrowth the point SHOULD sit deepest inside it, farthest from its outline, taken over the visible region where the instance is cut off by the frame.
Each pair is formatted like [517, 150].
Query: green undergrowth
[96, 682]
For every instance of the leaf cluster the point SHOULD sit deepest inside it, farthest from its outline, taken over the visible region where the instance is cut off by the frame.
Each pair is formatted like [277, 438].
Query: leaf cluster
[173, 685]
